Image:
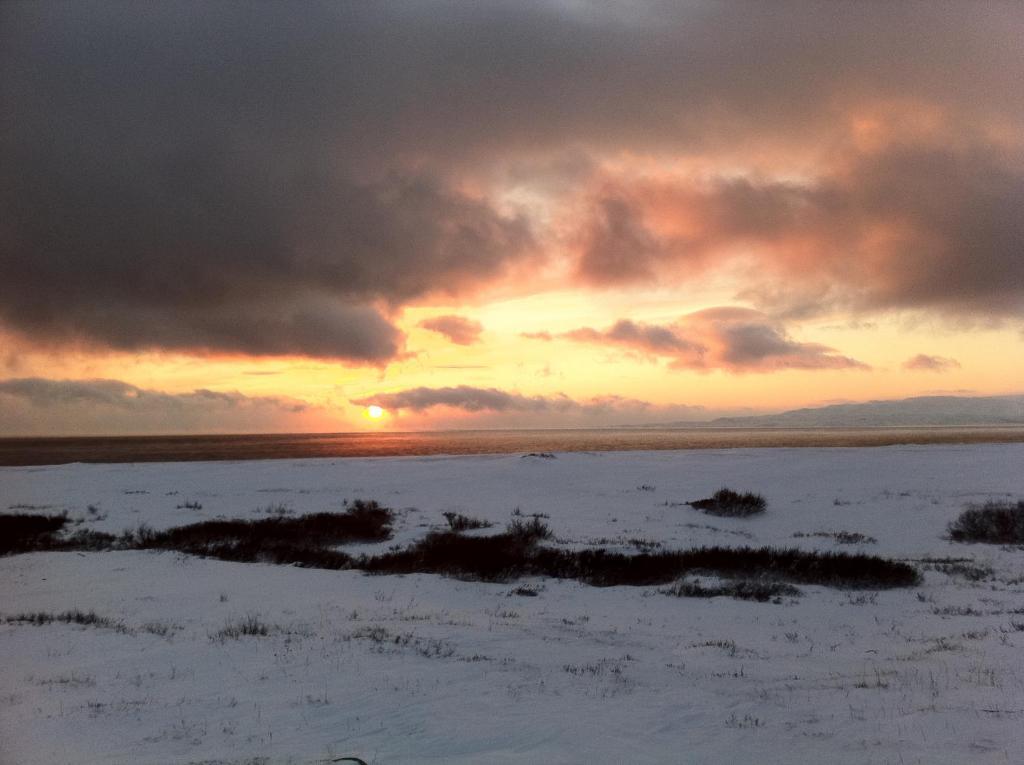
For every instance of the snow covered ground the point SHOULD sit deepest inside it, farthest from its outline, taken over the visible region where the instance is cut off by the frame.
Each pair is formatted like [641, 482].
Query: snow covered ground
[428, 669]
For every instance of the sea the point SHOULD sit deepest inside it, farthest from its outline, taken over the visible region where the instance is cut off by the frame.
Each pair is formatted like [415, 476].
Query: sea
[184, 448]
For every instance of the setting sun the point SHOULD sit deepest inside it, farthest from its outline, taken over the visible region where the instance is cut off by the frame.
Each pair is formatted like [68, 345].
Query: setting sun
[374, 412]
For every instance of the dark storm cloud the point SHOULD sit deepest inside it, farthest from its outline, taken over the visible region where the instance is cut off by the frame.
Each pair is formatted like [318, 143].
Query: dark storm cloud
[733, 339]
[185, 176]
[207, 260]
[458, 329]
[35, 405]
[312, 327]
[904, 227]
[208, 165]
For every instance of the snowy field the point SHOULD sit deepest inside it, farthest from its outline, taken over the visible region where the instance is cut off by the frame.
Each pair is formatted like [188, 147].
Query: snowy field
[421, 668]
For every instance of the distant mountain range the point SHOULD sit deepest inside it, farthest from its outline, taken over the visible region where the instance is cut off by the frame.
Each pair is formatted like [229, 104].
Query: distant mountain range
[917, 411]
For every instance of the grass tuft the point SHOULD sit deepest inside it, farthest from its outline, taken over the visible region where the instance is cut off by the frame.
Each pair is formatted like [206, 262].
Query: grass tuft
[840, 537]
[532, 530]
[993, 522]
[85, 618]
[250, 625]
[459, 522]
[731, 504]
[761, 590]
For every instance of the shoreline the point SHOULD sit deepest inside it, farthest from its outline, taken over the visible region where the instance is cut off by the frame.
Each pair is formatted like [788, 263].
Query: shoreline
[56, 450]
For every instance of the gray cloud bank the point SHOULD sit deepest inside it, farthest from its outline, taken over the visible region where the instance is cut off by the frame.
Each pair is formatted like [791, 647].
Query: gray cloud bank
[728, 338]
[467, 398]
[557, 409]
[267, 180]
[906, 226]
[39, 406]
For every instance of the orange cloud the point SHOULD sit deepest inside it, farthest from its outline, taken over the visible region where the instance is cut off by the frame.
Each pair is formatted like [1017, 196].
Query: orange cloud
[457, 329]
[915, 225]
[924, 362]
[729, 338]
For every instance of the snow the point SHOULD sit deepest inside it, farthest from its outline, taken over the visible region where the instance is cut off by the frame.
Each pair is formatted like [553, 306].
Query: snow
[428, 669]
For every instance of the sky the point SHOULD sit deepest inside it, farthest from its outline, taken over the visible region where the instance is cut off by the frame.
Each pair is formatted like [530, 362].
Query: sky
[247, 217]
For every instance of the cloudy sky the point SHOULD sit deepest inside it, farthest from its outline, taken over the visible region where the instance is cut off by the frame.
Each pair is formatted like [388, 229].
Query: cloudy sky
[239, 216]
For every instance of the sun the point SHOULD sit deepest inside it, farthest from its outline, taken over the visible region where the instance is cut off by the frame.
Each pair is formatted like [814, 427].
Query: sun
[374, 412]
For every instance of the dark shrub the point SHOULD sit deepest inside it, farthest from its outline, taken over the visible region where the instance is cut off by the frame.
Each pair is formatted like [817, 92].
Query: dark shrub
[23, 533]
[307, 540]
[494, 558]
[993, 522]
[761, 590]
[602, 568]
[525, 591]
[512, 555]
[85, 618]
[533, 529]
[304, 540]
[459, 522]
[39, 533]
[840, 537]
[727, 502]
[969, 570]
[84, 540]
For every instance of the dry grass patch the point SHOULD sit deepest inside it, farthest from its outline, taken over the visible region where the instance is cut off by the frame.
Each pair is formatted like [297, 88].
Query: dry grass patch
[731, 504]
[993, 522]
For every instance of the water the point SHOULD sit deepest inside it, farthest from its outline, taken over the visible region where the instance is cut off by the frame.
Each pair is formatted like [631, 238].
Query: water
[48, 451]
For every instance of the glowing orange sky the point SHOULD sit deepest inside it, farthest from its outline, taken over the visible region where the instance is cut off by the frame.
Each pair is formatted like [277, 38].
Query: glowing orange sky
[505, 216]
